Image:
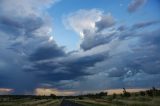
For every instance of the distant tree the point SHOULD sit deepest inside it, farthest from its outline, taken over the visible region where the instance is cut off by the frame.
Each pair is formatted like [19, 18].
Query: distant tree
[103, 94]
[53, 96]
[153, 92]
[97, 95]
[121, 94]
[114, 95]
[153, 88]
[80, 97]
[125, 93]
[149, 92]
[136, 94]
[142, 93]
[124, 90]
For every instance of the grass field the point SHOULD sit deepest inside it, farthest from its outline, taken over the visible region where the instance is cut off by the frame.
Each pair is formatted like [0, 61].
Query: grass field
[30, 102]
[132, 101]
[105, 101]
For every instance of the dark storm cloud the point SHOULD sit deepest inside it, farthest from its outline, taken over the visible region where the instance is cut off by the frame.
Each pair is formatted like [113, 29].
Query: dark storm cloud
[47, 52]
[22, 32]
[66, 68]
[10, 22]
[22, 26]
[135, 5]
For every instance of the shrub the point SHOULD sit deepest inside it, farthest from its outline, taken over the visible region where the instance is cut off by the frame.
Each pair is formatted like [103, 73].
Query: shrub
[142, 93]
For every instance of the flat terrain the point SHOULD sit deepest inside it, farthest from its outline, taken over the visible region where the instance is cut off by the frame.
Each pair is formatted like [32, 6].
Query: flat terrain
[136, 101]
[69, 103]
[85, 101]
[30, 102]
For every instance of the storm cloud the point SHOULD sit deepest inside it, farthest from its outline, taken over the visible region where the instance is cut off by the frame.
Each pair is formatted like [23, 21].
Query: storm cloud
[21, 35]
[134, 54]
[111, 54]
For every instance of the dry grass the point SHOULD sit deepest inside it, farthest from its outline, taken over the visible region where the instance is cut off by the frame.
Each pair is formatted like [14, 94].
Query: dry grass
[137, 101]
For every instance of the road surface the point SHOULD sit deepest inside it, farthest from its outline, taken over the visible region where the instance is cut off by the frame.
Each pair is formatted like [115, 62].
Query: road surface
[69, 103]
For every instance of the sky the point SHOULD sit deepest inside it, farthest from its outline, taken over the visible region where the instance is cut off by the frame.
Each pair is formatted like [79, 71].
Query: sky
[68, 47]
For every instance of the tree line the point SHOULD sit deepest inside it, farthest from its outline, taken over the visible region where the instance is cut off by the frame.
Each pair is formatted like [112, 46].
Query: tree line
[151, 93]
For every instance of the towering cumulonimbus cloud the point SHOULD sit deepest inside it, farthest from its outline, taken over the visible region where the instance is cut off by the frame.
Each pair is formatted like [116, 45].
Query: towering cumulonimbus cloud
[82, 20]
[90, 24]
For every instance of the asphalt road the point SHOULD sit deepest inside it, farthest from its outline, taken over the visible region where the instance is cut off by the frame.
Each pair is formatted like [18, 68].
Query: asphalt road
[69, 103]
